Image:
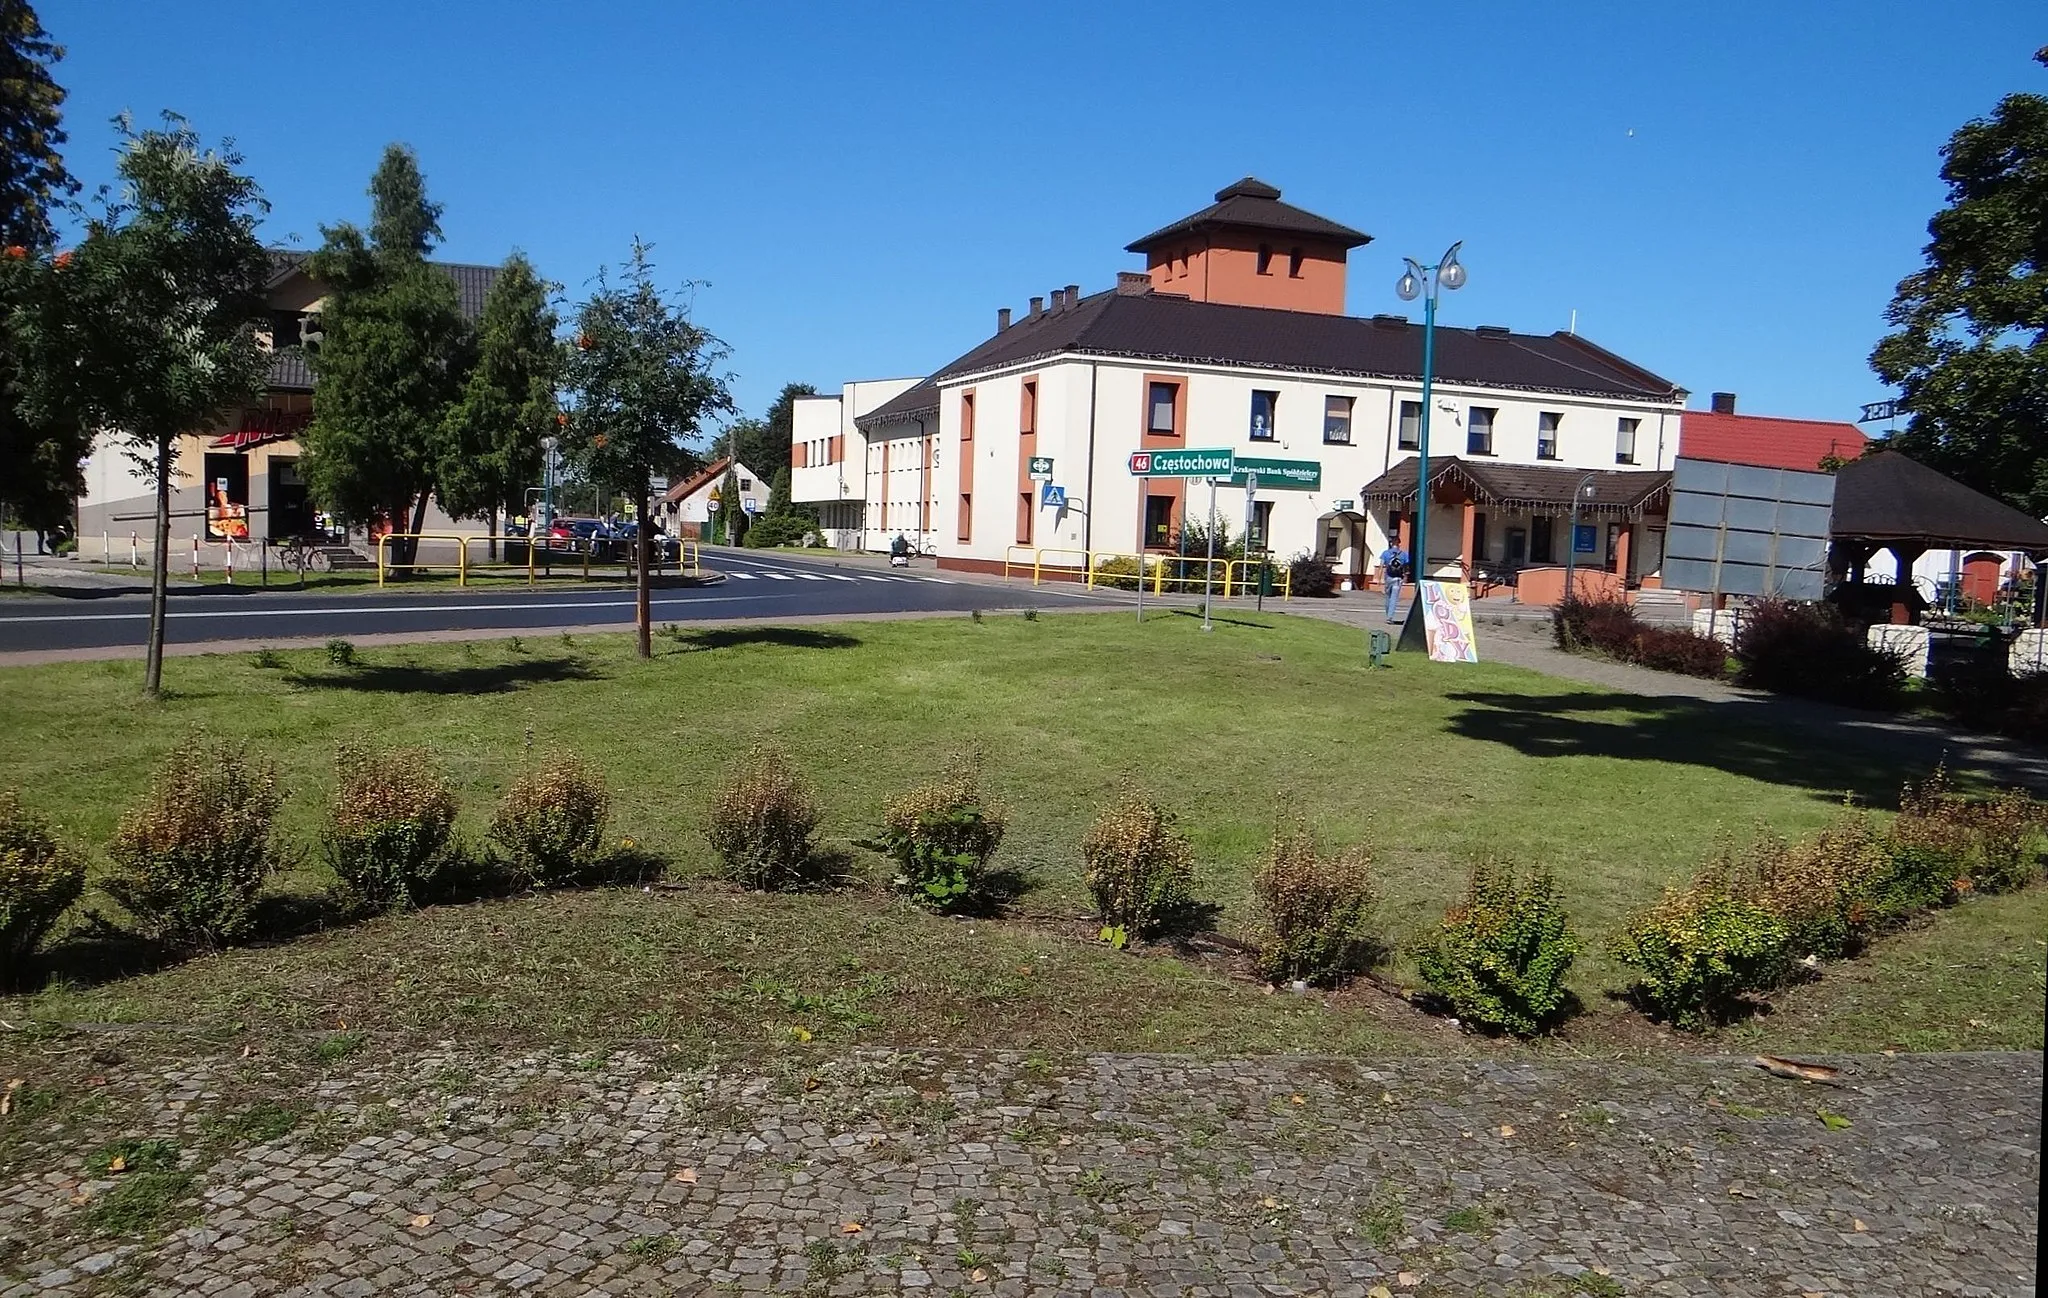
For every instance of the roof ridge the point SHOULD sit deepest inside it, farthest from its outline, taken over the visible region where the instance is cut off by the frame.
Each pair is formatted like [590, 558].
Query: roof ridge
[1777, 419]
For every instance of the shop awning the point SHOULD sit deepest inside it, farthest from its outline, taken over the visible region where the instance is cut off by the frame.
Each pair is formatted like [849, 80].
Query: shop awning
[260, 426]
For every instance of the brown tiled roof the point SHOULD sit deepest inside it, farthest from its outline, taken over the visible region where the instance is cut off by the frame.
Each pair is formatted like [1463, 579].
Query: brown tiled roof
[1175, 330]
[691, 485]
[288, 369]
[1886, 497]
[923, 399]
[1625, 492]
[1252, 204]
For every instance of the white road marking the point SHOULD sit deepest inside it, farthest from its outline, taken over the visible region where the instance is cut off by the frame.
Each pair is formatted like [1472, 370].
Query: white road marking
[332, 610]
[742, 576]
[778, 576]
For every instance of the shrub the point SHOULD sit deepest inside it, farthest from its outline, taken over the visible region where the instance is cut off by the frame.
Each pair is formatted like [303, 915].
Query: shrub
[1950, 844]
[1992, 698]
[1120, 572]
[1312, 908]
[1138, 867]
[779, 529]
[389, 826]
[1700, 950]
[341, 653]
[1610, 626]
[191, 856]
[941, 836]
[1681, 650]
[39, 877]
[1500, 956]
[1819, 888]
[762, 824]
[551, 822]
[2006, 853]
[1310, 576]
[1808, 649]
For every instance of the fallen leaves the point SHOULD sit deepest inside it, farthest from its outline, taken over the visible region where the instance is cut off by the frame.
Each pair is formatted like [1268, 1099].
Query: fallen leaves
[1408, 1279]
[977, 1275]
[117, 1164]
[1831, 1120]
[423, 1221]
[1379, 1291]
[850, 1228]
[1858, 1225]
[801, 1033]
[687, 1176]
[7, 1097]
[1507, 1132]
[1797, 1071]
[1298, 1099]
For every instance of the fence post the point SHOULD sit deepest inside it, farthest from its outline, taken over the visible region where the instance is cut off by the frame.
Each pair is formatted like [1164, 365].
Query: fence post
[462, 561]
[380, 558]
[195, 557]
[106, 551]
[228, 551]
[134, 551]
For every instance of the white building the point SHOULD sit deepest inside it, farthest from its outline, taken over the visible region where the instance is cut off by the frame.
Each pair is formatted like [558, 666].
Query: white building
[686, 507]
[1234, 337]
[828, 456]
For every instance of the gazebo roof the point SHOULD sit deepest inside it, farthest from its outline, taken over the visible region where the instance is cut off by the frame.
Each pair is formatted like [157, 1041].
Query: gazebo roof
[1622, 493]
[1885, 497]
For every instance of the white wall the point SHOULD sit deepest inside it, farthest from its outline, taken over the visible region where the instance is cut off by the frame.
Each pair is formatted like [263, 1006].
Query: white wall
[696, 507]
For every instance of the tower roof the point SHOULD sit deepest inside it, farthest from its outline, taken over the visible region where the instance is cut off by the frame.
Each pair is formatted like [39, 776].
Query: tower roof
[1252, 204]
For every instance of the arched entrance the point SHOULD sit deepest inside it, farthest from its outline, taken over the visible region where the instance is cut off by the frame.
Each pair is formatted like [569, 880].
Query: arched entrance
[1983, 575]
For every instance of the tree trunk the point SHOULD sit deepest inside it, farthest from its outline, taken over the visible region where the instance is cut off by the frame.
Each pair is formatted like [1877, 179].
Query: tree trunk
[159, 571]
[410, 547]
[642, 612]
[491, 522]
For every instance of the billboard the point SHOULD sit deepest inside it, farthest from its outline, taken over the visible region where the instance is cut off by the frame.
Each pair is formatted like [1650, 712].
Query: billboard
[1740, 529]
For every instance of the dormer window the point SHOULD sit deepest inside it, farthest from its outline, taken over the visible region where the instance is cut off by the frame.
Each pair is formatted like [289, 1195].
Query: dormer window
[1294, 264]
[1265, 259]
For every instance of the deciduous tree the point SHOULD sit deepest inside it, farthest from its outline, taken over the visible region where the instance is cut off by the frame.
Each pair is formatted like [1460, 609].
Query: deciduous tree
[151, 331]
[641, 379]
[762, 444]
[1969, 352]
[491, 451]
[392, 360]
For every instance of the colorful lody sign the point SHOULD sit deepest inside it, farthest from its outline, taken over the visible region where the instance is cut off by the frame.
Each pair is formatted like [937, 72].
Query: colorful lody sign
[1279, 475]
[1447, 621]
[1207, 463]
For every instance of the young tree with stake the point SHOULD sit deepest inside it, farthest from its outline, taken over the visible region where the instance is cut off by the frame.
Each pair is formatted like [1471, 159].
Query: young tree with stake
[151, 331]
[640, 383]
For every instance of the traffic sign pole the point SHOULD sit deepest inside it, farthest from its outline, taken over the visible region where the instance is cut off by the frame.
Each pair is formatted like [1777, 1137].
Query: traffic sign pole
[1209, 570]
[1141, 552]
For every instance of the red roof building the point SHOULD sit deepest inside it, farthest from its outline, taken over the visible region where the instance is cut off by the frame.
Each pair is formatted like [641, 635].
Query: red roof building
[1722, 435]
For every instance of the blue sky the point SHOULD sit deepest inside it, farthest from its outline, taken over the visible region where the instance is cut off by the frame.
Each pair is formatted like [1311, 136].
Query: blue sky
[1725, 193]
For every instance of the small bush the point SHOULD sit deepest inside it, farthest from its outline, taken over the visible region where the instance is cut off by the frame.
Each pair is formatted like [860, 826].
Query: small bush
[1610, 626]
[1819, 888]
[192, 855]
[551, 823]
[1500, 956]
[341, 653]
[389, 826]
[1121, 573]
[1700, 950]
[1992, 698]
[1681, 650]
[763, 823]
[1789, 647]
[1138, 867]
[779, 529]
[39, 877]
[1310, 576]
[1957, 844]
[1312, 909]
[941, 836]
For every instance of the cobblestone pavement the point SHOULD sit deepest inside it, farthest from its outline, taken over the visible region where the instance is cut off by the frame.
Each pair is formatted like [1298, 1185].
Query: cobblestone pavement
[444, 1172]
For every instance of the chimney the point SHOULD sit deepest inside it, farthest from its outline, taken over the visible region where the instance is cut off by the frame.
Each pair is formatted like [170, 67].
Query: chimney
[1059, 299]
[1037, 308]
[1724, 403]
[1073, 295]
[1002, 318]
[1133, 283]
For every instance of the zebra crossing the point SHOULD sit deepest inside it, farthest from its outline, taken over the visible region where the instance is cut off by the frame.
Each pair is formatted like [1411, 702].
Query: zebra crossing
[769, 574]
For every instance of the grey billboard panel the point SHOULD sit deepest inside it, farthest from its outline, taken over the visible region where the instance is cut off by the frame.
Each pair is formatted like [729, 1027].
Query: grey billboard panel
[1752, 515]
[1693, 507]
[1809, 488]
[1749, 579]
[1700, 475]
[1686, 542]
[1745, 480]
[1746, 530]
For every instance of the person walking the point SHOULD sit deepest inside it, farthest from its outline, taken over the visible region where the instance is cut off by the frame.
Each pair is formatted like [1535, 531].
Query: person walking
[1393, 567]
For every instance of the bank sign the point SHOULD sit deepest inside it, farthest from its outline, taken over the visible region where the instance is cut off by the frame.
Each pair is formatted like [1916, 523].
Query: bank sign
[1183, 464]
[1279, 475]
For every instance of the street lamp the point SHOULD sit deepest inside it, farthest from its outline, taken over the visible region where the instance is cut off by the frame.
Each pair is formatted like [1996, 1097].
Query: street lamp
[547, 482]
[1571, 533]
[1424, 282]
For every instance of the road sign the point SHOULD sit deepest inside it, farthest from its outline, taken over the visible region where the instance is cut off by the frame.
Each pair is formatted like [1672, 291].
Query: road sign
[1054, 496]
[712, 504]
[1279, 475]
[1344, 507]
[1183, 464]
[1041, 468]
[751, 505]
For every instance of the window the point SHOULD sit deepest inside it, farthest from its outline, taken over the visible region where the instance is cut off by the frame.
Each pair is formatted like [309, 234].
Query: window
[1625, 441]
[967, 416]
[1158, 521]
[966, 516]
[1025, 515]
[1294, 264]
[1263, 404]
[1539, 541]
[1410, 437]
[1265, 259]
[746, 484]
[1479, 430]
[1262, 526]
[1546, 435]
[1160, 402]
[1027, 415]
[1337, 420]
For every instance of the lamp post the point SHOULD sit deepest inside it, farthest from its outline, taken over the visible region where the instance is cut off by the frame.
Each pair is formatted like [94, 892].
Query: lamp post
[1571, 538]
[547, 482]
[1425, 282]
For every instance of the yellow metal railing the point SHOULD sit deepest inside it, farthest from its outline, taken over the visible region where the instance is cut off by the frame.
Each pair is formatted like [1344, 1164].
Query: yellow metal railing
[1244, 575]
[1191, 575]
[689, 555]
[386, 567]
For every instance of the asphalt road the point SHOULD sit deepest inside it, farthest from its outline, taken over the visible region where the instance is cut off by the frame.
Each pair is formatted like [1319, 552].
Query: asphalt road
[754, 588]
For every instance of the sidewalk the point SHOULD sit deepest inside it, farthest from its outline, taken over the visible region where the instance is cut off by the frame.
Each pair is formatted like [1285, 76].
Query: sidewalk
[426, 1172]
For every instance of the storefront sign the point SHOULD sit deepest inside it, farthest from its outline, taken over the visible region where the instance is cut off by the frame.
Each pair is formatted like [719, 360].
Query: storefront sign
[1279, 475]
[1447, 621]
[1183, 464]
[1041, 468]
[1585, 538]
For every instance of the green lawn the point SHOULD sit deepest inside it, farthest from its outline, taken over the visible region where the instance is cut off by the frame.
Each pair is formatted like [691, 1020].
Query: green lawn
[1431, 765]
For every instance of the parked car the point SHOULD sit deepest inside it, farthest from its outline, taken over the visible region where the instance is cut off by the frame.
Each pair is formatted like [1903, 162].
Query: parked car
[626, 536]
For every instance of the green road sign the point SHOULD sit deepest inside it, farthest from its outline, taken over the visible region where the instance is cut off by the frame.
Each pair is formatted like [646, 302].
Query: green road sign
[1041, 468]
[1183, 464]
[1279, 475]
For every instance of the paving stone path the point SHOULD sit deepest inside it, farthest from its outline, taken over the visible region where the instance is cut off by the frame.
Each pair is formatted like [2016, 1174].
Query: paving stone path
[446, 1172]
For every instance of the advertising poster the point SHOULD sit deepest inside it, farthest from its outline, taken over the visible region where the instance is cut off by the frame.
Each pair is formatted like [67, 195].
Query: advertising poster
[1447, 622]
[226, 519]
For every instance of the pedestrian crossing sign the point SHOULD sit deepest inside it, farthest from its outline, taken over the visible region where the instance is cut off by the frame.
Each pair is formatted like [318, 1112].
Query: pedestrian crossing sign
[1054, 496]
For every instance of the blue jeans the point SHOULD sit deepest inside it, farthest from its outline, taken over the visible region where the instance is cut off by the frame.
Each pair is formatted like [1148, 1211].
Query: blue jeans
[1393, 596]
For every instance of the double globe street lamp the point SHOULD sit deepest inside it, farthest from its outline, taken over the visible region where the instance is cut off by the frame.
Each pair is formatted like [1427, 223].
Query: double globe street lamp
[1425, 282]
